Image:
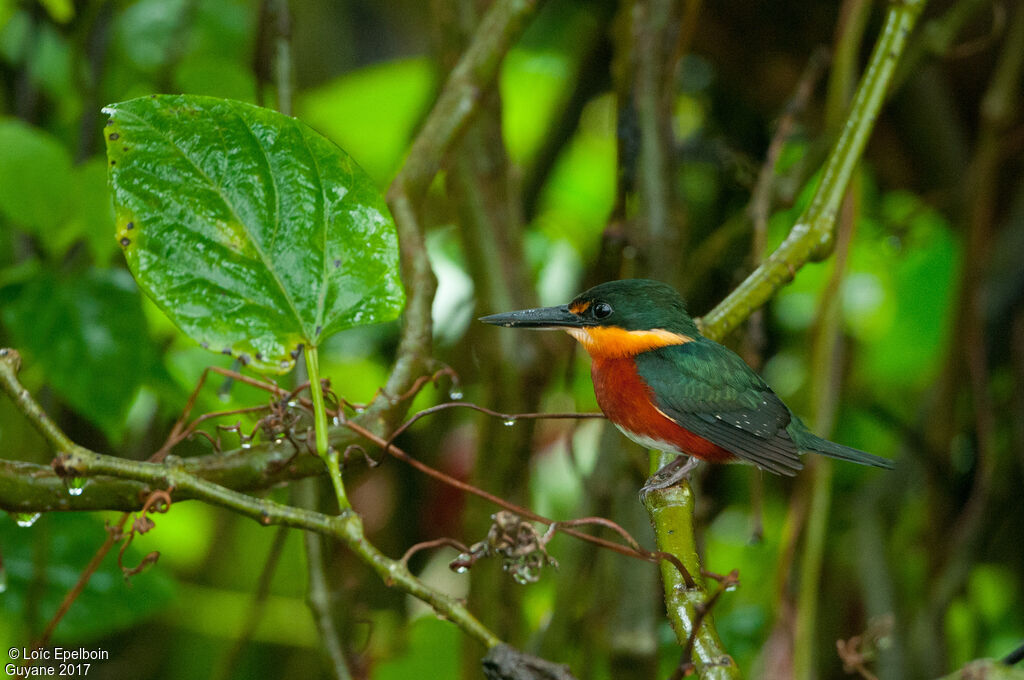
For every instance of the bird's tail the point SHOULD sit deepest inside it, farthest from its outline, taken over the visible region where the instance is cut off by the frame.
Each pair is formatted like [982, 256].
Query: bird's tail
[812, 442]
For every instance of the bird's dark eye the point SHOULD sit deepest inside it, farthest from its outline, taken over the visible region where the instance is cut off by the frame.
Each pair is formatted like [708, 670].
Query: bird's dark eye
[602, 310]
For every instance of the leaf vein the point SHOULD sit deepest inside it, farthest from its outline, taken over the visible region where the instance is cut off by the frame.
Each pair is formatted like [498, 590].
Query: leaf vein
[263, 257]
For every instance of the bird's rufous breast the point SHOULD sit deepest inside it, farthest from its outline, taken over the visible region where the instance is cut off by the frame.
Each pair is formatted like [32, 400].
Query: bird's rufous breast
[628, 403]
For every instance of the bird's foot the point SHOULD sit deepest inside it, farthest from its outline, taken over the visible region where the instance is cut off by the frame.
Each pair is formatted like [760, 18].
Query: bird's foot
[670, 474]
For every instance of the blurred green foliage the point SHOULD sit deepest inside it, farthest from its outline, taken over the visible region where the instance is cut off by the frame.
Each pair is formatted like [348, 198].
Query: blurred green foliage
[115, 373]
[44, 562]
[85, 328]
[374, 124]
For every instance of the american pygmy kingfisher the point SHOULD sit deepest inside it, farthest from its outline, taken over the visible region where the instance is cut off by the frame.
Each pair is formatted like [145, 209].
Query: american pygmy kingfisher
[667, 387]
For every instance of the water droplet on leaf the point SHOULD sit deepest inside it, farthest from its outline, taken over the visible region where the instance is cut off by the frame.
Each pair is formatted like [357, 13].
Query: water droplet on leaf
[76, 485]
[455, 394]
[26, 519]
[508, 422]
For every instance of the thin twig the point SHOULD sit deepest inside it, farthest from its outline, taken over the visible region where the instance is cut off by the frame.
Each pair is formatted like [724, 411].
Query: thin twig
[428, 545]
[456, 105]
[346, 527]
[761, 196]
[645, 555]
[507, 417]
[306, 494]
[83, 580]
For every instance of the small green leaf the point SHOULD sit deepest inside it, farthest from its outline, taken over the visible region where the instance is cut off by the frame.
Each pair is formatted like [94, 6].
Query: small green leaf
[36, 176]
[247, 228]
[88, 335]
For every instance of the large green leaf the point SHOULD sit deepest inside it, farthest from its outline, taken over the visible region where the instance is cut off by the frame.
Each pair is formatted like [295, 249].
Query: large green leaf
[250, 230]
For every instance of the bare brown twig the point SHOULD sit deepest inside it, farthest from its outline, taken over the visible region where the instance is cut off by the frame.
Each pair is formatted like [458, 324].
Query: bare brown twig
[83, 580]
[860, 650]
[524, 512]
[158, 501]
[507, 417]
[428, 545]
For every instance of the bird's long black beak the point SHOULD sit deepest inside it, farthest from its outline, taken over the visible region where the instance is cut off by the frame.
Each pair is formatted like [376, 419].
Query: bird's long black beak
[542, 318]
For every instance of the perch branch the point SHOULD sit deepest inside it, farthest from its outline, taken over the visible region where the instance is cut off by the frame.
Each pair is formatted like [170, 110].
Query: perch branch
[671, 512]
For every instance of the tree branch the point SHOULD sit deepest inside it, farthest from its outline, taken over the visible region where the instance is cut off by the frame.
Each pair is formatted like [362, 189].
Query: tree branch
[346, 527]
[77, 461]
[811, 238]
[671, 512]
[455, 107]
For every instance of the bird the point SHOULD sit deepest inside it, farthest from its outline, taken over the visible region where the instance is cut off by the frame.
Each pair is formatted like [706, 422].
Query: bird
[667, 387]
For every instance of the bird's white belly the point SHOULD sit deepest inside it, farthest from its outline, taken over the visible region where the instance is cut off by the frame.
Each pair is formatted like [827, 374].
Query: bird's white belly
[649, 442]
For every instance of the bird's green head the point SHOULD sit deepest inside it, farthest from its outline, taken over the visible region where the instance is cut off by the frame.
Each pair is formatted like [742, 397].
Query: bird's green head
[616, 318]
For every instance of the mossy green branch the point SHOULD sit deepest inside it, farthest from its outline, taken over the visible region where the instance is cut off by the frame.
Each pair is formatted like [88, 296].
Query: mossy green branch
[30, 487]
[10, 364]
[811, 237]
[77, 461]
[346, 526]
[671, 513]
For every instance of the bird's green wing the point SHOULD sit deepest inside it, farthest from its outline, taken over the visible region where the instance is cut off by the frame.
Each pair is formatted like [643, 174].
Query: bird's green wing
[707, 389]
